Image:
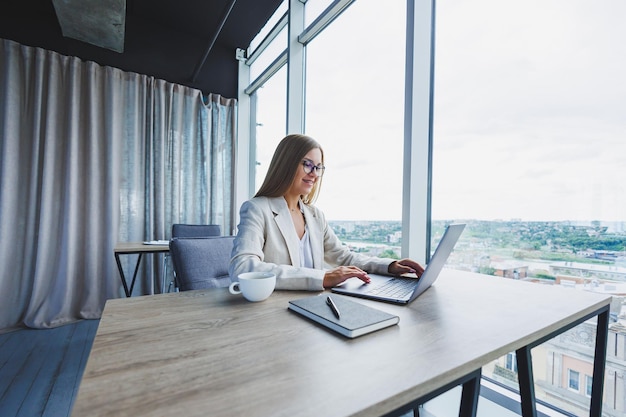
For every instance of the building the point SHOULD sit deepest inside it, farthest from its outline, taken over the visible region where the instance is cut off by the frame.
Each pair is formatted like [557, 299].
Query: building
[569, 370]
[589, 271]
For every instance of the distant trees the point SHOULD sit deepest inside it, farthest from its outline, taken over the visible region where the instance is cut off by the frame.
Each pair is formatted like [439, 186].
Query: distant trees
[389, 253]
[544, 240]
[613, 243]
[487, 270]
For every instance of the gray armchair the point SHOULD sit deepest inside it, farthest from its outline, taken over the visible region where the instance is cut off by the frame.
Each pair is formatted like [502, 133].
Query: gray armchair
[188, 230]
[201, 263]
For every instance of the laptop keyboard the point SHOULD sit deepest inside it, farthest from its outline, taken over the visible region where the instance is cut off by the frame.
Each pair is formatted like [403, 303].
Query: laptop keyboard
[395, 288]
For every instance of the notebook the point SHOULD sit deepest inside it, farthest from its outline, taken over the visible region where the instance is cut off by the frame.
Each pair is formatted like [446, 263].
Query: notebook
[403, 290]
[354, 320]
[157, 242]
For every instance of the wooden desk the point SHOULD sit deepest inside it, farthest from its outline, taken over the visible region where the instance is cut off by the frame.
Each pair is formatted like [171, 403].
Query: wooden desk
[207, 352]
[129, 248]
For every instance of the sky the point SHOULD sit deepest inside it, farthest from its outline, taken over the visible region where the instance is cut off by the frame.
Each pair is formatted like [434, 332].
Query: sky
[530, 110]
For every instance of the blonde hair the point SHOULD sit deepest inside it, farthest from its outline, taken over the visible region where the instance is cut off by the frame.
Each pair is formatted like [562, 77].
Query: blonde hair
[286, 161]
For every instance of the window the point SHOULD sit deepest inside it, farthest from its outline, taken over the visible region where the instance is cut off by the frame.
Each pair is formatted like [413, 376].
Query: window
[354, 108]
[573, 380]
[527, 128]
[527, 132]
[588, 385]
[511, 362]
[528, 111]
[271, 121]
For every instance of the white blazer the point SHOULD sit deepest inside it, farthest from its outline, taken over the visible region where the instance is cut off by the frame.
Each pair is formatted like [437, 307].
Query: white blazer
[267, 241]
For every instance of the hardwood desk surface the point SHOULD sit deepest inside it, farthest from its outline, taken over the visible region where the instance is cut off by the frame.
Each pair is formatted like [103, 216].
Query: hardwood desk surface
[139, 247]
[208, 352]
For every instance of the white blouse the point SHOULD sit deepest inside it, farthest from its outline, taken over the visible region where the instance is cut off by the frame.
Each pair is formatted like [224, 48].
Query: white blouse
[306, 253]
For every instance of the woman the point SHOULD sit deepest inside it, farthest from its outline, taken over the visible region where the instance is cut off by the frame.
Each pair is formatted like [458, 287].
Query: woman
[280, 231]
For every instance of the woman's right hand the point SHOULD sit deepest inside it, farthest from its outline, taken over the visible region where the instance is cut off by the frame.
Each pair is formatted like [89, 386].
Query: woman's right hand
[338, 275]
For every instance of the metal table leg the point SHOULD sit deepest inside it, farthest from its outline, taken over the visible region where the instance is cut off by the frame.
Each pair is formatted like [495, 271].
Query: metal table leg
[599, 364]
[469, 396]
[526, 382]
[127, 291]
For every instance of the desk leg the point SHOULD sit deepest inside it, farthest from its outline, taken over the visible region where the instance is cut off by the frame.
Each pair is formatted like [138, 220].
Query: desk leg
[599, 363]
[469, 396]
[132, 283]
[127, 291]
[468, 406]
[526, 382]
[121, 271]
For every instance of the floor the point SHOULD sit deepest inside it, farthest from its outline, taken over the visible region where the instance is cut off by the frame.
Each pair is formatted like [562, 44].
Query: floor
[40, 370]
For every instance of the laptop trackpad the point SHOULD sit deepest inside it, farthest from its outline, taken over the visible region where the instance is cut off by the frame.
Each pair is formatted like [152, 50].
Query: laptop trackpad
[355, 284]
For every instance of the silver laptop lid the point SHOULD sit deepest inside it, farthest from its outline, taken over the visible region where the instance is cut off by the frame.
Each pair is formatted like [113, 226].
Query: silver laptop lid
[439, 258]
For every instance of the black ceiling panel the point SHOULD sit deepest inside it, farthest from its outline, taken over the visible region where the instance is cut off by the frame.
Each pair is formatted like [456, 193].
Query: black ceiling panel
[166, 39]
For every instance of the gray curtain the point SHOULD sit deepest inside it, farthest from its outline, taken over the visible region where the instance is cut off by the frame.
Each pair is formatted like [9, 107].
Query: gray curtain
[90, 156]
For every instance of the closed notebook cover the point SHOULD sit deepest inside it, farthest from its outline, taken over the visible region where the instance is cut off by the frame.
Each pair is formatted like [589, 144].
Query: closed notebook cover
[356, 319]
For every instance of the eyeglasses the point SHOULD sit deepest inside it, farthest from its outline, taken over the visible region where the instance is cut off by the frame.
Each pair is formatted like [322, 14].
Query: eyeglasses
[309, 167]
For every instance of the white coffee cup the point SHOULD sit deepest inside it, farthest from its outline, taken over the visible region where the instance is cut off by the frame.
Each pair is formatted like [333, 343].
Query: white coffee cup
[254, 286]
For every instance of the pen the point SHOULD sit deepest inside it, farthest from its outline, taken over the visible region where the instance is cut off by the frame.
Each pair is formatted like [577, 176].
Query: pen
[333, 306]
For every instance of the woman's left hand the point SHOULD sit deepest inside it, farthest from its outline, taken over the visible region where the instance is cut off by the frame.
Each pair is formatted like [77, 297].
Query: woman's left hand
[405, 266]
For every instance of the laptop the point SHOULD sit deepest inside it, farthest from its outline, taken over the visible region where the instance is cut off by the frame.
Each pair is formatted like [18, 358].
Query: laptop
[400, 289]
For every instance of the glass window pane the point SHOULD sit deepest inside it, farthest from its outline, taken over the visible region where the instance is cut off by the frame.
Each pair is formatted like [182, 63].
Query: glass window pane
[529, 111]
[271, 119]
[354, 108]
[588, 385]
[573, 380]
